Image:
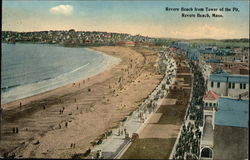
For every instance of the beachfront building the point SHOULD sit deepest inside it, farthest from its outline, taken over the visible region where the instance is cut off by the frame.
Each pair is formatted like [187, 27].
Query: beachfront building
[183, 45]
[207, 135]
[231, 129]
[222, 56]
[232, 68]
[225, 129]
[210, 100]
[226, 84]
[193, 54]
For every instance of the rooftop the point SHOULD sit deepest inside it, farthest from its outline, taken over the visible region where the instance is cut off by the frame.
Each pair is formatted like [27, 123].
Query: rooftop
[213, 60]
[211, 95]
[225, 77]
[232, 112]
[232, 68]
[230, 143]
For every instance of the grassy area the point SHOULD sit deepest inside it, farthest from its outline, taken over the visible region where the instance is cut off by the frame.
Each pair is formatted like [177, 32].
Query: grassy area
[160, 148]
[150, 148]
[172, 114]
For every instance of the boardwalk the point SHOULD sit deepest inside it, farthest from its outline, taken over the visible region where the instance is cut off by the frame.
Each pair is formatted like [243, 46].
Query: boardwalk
[158, 137]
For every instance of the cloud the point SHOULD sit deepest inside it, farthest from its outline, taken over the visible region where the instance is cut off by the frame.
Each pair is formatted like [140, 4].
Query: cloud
[65, 10]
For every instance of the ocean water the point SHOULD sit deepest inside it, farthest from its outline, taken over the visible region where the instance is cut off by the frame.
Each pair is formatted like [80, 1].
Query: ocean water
[30, 69]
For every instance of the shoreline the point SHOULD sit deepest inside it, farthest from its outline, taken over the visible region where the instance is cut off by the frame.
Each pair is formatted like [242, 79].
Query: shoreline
[108, 102]
[105, 67]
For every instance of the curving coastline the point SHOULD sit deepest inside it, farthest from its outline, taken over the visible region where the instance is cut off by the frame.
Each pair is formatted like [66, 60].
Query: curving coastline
[50, 71]
[89, 109]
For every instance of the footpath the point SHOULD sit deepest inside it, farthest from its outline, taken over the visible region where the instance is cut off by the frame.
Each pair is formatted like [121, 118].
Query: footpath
[114, 146]
[157, 137]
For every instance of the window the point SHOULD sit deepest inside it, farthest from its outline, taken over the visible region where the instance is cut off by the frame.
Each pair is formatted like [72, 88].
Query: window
[233, 85]
[210, 104]
[207, 153]
[218, 84]
[206, 104]
[230, 85]
[212, 84]
[214, 104]
[244, 86]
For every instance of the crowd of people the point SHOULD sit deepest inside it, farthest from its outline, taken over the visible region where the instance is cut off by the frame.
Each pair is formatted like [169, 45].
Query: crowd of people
[189, 140]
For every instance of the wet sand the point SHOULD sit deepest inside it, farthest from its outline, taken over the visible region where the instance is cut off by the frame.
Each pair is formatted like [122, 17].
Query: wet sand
[88, 108]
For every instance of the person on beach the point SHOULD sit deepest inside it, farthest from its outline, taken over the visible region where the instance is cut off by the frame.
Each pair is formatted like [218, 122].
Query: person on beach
[100, 154]
[16, 129]
[20, 104]
[37, 142]
[119, 132]
[97, 154]
[142, 119]
[66, 124]
[154, 106]
[13, 130]
[125, 130]
[72, 145]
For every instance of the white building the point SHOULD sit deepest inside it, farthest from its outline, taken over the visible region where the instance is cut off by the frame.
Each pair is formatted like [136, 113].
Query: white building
[206, 145]
[225, 129]
[210, 99]
[225, 84]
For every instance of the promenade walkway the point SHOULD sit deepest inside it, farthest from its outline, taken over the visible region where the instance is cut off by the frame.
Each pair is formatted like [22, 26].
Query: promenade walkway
[157, 138]
[115, 145]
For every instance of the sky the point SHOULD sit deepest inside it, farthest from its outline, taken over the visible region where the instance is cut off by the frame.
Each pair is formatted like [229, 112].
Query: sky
[147, 18]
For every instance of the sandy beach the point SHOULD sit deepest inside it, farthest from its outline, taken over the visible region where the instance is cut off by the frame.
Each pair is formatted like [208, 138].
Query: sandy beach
[78, 113]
